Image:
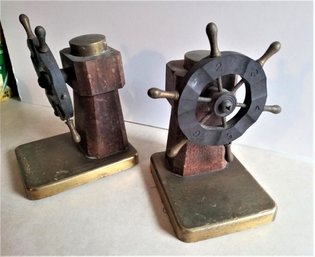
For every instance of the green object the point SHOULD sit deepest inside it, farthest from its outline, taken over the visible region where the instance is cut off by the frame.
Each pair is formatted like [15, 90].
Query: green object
[3, 70]
[5, 91]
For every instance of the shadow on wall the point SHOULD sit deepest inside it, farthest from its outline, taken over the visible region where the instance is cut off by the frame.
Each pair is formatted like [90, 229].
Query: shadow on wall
[143, 71]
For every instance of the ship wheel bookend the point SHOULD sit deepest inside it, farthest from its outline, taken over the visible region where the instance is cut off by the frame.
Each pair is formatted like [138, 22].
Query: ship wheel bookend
[206, 191]
[96, 145]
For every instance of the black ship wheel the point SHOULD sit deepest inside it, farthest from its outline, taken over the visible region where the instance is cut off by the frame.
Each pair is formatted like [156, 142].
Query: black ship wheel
[50, 77]
[209, 112]
[206, 76]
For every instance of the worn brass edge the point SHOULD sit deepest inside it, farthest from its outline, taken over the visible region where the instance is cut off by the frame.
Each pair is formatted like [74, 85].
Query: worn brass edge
[226, 227]
[208, 231]
[36, 193]
[176, 226]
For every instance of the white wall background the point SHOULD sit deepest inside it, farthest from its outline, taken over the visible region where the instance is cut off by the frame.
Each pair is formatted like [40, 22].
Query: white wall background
[149, 34]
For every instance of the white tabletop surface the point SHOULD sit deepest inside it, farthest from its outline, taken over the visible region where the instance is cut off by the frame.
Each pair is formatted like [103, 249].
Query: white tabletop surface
[123, 214]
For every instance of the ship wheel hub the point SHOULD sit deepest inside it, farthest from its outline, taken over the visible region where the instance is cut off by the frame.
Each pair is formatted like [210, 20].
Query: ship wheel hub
[224, 104]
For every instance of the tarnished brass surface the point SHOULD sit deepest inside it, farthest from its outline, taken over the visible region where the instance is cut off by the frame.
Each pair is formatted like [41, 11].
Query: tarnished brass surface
[272, 49]
[212, 33]
[158, 93]
[176, 148]
[88, 45]
[74, 133]
[53, 165]
[212, 204]
[192, 57]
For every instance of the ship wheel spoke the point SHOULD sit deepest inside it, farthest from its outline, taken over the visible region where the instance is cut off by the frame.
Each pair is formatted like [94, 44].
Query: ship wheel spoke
[204, 120]
[220, 85]
[176, 148]
[241, 105]
[228, 153]
[223, 120]
[238, 85]
[204, 99]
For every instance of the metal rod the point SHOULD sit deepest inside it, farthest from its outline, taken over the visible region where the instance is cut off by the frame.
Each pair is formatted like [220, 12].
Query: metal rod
[205, 119]
[40, 32]
[176, 148]
[238, 85]
[272, 49]
[223, 119]
[242, 105]
[272, 108]
[74, 133]
[27, 26]
[204, 99]
[228, 153]
[220, 86]
[158, 93]
[212, 33]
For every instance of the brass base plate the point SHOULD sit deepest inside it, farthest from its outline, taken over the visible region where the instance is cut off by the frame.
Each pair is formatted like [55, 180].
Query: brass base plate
[53, 165]
[212, 204]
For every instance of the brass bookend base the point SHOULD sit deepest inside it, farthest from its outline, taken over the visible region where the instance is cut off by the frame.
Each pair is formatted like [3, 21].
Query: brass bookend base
[53, 165]
[213, 204]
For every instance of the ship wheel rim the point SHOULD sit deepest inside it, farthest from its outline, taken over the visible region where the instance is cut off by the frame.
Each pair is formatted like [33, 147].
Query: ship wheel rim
[206, 72]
